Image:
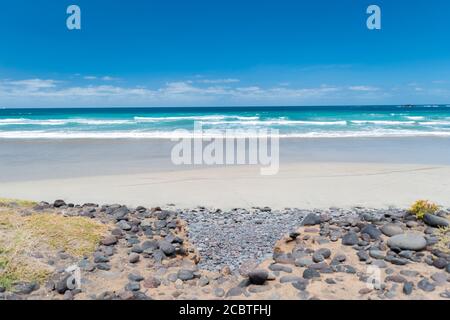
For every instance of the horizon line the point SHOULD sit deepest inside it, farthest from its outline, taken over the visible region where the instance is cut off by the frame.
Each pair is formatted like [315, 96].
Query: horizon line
[235, 106]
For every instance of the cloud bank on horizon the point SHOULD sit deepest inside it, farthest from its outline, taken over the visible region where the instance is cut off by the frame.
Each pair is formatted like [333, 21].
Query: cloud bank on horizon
[223, 53]
[205, 92]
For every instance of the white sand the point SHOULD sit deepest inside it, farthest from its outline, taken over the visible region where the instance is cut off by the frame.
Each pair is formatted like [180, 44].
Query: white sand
[303, 185]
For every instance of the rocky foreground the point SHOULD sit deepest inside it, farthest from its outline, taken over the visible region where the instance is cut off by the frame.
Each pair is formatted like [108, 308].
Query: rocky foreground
[246, 254]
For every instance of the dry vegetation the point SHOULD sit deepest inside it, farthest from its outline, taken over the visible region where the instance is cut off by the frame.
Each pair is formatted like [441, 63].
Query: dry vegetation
[444, 240]
[22, 236]
[17, 203]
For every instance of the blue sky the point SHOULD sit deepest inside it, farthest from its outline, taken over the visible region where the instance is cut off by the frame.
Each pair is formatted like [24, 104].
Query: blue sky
[203, 52]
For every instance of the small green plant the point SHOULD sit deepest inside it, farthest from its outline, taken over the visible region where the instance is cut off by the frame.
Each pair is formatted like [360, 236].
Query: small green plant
[422, 207]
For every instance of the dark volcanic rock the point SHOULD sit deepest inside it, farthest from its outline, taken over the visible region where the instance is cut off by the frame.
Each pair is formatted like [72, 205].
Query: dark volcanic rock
[109, 241]
[86, 265]
[339, 258]
[372, 231]
[304, 261]
[294, 235]
[152, 283]
[122, 224]
[158, 255]
[135, 277]
[283, 258]
[311, 220]
[286, 279]
[25, 287]
[150, 244]
[219, 292]
[59, 203]
[407, 254]
[280, 267]
[133, 258]
[234, 292]
[350, 239]
[324, 252]
[310, 273]
[301, 284]
[163, 215]
[185, 275]
[440, 263]
[137, 249]
[258, 277]
[166, 247]
[62, 285]
[377, 254]
[435, 221]
[317, 257]
[133, 286]
[408, 288]
[362, 255]
[100, 258]
[396, 260]
[121, 213]
[396, 278]
[426, 285]
[103, 266]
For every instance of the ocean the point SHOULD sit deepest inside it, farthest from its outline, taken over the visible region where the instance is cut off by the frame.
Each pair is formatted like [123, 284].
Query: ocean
[300, 122]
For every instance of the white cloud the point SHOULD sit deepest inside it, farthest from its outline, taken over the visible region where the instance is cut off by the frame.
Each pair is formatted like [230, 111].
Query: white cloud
[103, 78]
[218, 81]
[363, 88]
[439, 82]
[108, 78]
[30, 92]
[33, 84]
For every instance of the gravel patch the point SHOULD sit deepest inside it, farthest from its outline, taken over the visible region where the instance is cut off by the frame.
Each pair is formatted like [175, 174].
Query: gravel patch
[233, 237]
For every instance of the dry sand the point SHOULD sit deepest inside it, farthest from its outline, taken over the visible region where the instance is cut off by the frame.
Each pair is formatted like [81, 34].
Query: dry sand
[303, 185]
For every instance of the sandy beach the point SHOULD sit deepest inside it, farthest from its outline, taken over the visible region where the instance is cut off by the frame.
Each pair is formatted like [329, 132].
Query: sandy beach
[305, 185]
[313, 173]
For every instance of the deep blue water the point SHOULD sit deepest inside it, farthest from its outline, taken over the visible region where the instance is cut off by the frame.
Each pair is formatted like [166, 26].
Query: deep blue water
[331, 121]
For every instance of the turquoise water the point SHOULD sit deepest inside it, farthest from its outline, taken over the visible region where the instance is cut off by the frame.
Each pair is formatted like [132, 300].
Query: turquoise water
[308, 122]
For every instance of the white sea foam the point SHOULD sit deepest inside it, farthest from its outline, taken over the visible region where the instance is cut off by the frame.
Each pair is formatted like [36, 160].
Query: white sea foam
[194, 118]
[212, 134]
[383, 122]
[60, 122]
[416, 118]
[101, 122]
[435, 123]
[281, 122]
[216, 120]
